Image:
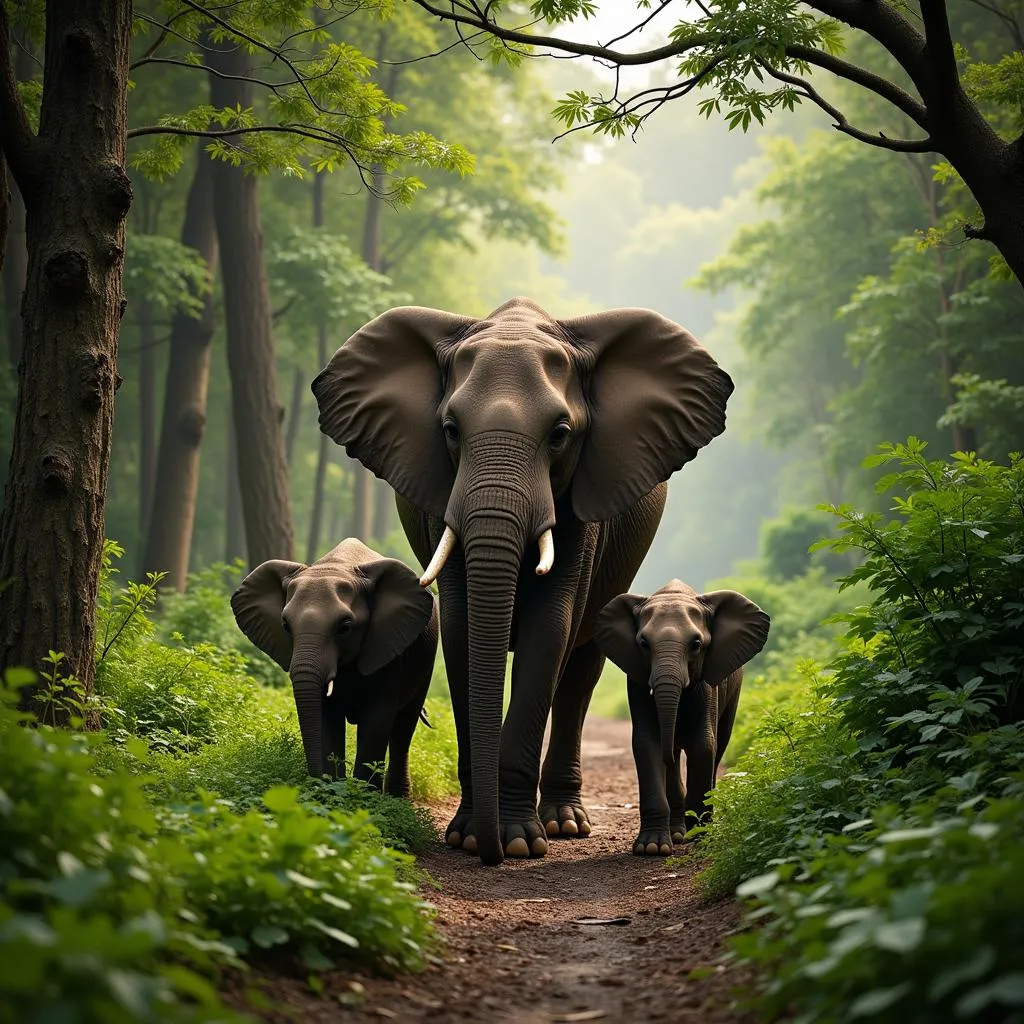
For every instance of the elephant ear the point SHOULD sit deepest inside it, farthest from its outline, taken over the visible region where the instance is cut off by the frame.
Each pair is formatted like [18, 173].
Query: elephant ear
[739, 629]
[656, 398]
[399, 611]
[258, 603]
[615, 634]
[378, 398]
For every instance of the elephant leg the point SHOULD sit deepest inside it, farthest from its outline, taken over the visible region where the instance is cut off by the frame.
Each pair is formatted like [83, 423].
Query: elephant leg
[372, 734]
[333, 719]
[654, 837]
[676, 791]
[415, 665]
[730, 698]
[561, 783]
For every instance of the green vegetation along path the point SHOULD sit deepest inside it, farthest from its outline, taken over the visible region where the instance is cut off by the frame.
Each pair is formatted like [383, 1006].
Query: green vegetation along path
[514, 950]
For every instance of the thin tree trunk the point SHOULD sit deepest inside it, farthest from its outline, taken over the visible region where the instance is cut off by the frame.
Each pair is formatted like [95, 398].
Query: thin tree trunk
[13, 253]
[322, 455]
[342, 502]
[147, 418]
[294, 415]
[234, 523]
[171, 522]
[323, 448]
[257, 413]
[77, 196]
[362, 505]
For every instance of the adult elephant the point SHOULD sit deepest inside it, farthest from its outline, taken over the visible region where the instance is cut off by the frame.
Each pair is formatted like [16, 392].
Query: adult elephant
[518, 433]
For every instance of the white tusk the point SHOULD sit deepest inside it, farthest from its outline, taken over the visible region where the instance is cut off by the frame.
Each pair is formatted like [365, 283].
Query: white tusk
[547, 553]
[330, 687]
[444, 549]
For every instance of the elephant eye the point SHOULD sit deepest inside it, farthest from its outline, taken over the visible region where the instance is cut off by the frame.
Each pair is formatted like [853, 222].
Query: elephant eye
[642, 643]
[286, 627]
[559, 436]
[344, 627]
[696, 645]
[451, 431]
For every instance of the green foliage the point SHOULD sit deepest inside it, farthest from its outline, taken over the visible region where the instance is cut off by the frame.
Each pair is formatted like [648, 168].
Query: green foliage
[877, 819]
[91, 926]
[165, 275]
[786, 541]
[321, 111]
[202, 615]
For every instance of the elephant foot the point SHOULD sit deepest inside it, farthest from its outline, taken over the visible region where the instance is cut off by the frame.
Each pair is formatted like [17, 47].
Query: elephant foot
[518, 839]
[677, 827]
[653, 842]
[523, 839]
[565, 819]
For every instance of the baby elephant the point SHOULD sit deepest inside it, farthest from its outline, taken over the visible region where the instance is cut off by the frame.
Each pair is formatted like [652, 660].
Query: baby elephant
[682, 653]
[357, 634]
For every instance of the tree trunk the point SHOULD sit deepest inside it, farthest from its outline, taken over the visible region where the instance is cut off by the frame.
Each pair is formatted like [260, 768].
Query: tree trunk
[294, 415]
[322, 456]
[170, 525]
[234, 523]
[77, 196]
[257, 413]
[147, 417]
[15, 266]
[362, 503]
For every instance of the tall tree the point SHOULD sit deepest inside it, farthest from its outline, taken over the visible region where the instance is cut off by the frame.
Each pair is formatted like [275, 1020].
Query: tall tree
[257, 414]
[77, 195]
[169, 534]
[756, 58]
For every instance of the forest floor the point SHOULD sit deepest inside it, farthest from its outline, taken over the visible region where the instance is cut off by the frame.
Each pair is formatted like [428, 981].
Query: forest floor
[516, 950]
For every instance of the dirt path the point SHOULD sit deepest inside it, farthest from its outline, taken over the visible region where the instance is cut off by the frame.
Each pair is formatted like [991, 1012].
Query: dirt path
[514, 951]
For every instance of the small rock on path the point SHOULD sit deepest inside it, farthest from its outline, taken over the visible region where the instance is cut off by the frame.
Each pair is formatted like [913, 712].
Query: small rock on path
[514, 952]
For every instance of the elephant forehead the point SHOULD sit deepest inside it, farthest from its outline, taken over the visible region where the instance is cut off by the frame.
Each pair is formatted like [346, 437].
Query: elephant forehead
[321, 581]
[499, 355]
[675, 613]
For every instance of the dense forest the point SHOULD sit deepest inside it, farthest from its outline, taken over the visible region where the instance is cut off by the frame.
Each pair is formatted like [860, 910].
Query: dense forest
[204, 201]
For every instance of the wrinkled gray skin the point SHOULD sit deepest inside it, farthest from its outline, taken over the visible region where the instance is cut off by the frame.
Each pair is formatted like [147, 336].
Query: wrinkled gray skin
[362, 623]
[682, 653]
[502, 429]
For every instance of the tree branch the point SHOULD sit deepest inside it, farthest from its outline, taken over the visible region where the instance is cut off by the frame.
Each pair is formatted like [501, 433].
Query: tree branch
[939, 42]
[510, 35]
[21, 147]
[898, 97]
[844, 126]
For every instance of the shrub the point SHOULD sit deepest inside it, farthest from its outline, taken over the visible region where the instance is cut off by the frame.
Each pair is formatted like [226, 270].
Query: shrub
[881, 817]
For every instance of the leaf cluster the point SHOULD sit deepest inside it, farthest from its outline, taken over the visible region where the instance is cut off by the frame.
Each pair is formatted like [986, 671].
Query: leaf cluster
[876, 819]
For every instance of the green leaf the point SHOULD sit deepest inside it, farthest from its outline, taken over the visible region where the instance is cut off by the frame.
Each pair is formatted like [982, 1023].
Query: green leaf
[874, 1002]
[281, 798]
[269, 935]
[900, 936]
[335, 933]
[758, 885]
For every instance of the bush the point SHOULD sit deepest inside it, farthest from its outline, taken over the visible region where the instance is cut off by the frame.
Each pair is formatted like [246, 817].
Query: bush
[881, 816]
[116, 908]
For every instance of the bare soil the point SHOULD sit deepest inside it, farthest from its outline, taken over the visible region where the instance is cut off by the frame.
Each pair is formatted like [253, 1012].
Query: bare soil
[514, 947]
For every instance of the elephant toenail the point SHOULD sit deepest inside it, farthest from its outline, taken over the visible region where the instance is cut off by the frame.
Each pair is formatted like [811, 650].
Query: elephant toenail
[517, 848]
[454, 839]
[469, 844]
[570, 828]
[585, 828]
[552, 828]
[539, 846]
[651, 848]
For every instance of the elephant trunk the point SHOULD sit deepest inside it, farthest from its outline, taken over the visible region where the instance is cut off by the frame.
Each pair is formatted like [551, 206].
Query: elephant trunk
[667, 688]
[309, 680]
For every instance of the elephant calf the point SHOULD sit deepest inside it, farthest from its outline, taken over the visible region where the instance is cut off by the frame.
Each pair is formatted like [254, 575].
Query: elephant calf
[358, 635]
[683, 655]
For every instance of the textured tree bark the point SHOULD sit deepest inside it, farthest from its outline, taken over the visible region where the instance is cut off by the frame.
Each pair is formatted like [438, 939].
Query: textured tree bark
[234, 524]
[257, 413]
[77, 196]
[294, 415]
[324, 446]
[170, 524]
[6, 188]
[147, 416]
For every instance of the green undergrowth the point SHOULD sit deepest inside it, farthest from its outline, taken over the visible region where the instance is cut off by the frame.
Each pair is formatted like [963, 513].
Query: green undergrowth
[184, 836]
[876, 819]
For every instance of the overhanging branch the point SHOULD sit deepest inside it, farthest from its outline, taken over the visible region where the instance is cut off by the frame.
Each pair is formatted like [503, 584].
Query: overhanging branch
[841, 124]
